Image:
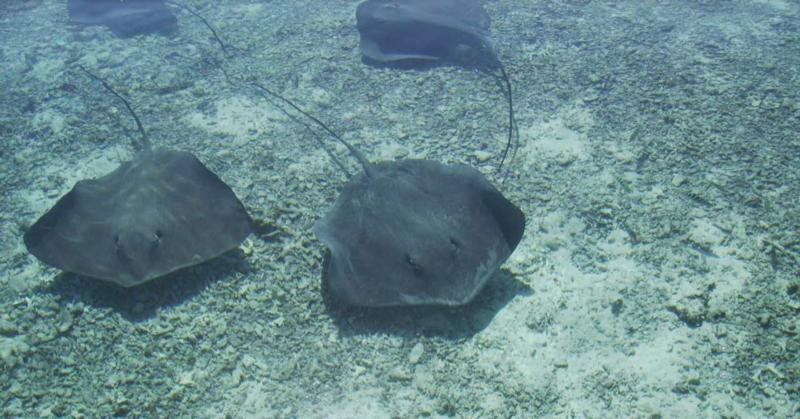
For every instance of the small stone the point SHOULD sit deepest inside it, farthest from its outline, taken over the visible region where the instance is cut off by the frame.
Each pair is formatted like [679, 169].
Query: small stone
[416, 353]
[691, 310]
[720, 332]
[399, 374]
[705, 234]
[186, 379]
[565, 159]
[236, 376]
[76, 309]
[45, 335]
[7, 328]
[482, 155]
[64, 323]
[12, 351]
[764, 320]
[678, 180]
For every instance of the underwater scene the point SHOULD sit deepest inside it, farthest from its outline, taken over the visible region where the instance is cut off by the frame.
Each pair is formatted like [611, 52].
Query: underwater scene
[400, 209]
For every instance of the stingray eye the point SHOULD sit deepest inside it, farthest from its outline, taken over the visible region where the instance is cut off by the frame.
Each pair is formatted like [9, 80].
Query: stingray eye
[157, 237]
[416, 267]
[118, 245]
[456, 245]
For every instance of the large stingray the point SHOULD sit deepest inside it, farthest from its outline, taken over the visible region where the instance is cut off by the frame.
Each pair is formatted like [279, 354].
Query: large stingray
[414, 232]
[160, 212]
[125, 18]
[411, 31]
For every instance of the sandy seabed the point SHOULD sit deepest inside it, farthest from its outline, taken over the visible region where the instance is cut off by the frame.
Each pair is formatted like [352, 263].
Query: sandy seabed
[659, 274]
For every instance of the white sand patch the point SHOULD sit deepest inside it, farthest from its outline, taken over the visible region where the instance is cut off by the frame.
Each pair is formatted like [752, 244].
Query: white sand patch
[660, 362]
[562, 138]
[730, 277]
[364, 403]
[47, 70]
[574, 343]
[523, 259]
[728, 270]
[238, 117]
[247, 10]
[308, 164]
[251, 399]
[567, 317]
[48, 118]
[25, 277]
[552, 140]
[622, 272]
[499, 350]
[621, 152]
[617, 243]
[781, 5]
[390, 151]
[705, 234]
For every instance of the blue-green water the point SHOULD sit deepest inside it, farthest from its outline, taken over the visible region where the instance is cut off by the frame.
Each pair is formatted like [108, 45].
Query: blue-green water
[657, 168]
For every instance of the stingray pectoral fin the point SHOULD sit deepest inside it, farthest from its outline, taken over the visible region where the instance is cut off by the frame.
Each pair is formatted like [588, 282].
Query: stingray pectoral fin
[371, 50]
[449, 22]
[509, 218]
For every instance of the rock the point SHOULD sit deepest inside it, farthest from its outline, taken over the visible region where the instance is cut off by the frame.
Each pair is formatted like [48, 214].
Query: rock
[12, 350]
[482, 155]
[416, 353]
[398, 374]
[764, 320]
[7, 328]
[705, 234]
[64, 323]
[691, 310]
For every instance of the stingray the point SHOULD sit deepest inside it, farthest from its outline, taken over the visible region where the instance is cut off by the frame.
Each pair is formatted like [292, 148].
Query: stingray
[413, 31]
[400, 30]
[125, 18]
[414, 232]
[160, 212]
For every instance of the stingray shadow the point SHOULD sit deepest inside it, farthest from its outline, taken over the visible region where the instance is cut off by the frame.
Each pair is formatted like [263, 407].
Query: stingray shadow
[409, 321]
[142, 302]
[474, 63]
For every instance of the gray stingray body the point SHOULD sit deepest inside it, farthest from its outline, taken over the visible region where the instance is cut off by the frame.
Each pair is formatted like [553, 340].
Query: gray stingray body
[417, 232]
[400, 30]
[125, 18]
[160, 212]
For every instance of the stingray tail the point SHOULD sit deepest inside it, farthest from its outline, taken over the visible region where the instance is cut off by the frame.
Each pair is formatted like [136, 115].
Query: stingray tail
[494, 64]
[354, 151]
[512, 122]
[205, 22]
[144, 143]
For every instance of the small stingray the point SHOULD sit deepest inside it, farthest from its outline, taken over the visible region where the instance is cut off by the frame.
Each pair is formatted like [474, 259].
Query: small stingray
[414, 232]
[125, 18]
[412, 31]
[160, 212]
[399, 30]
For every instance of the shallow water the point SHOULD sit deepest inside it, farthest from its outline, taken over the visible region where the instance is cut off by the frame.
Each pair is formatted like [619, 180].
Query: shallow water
[657, 168]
